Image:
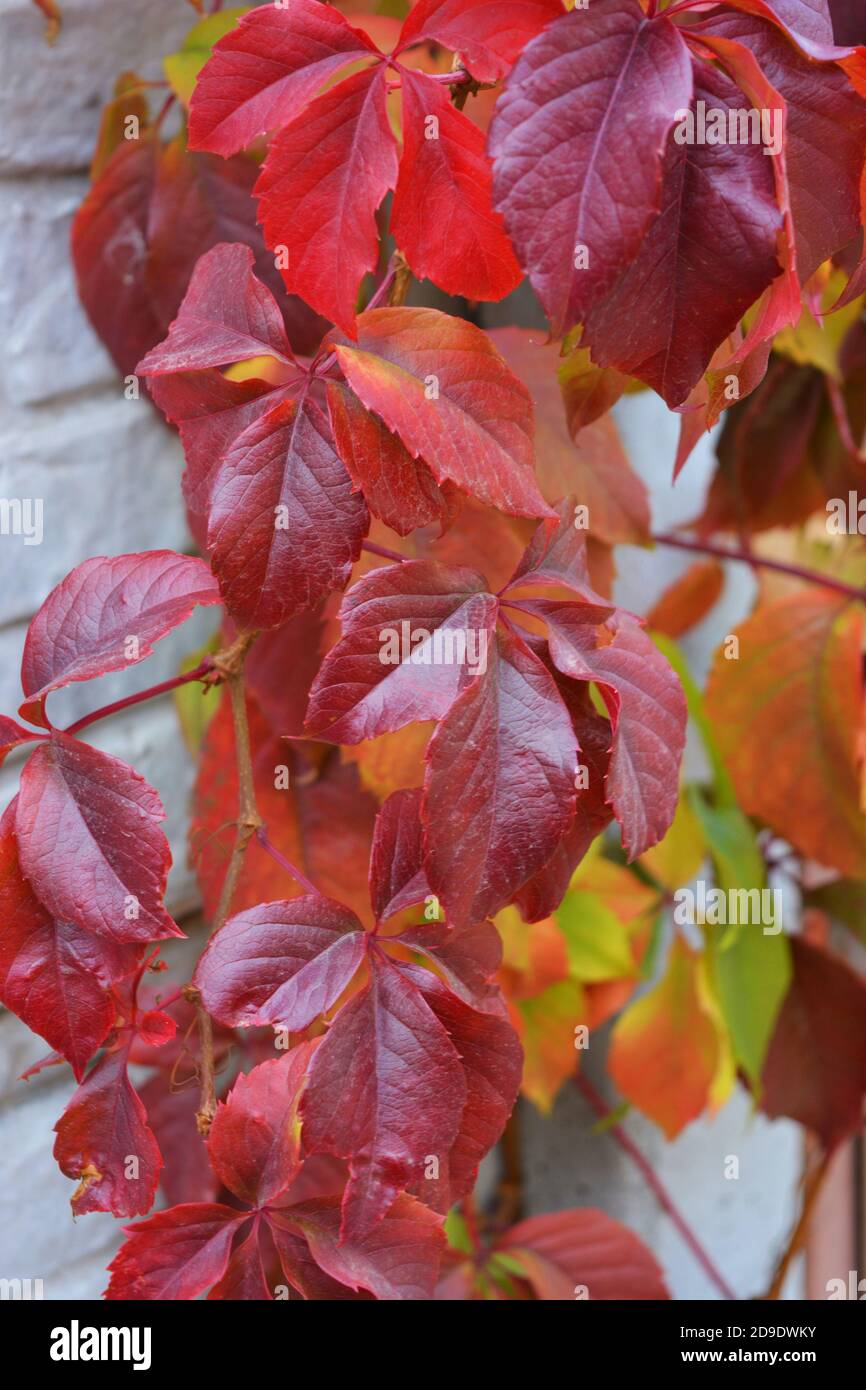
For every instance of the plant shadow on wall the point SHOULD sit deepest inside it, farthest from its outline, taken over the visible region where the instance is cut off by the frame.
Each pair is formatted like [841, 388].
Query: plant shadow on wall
[438, 822]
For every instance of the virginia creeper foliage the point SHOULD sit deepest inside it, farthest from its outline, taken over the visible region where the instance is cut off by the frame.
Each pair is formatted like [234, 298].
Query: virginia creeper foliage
[438, 816]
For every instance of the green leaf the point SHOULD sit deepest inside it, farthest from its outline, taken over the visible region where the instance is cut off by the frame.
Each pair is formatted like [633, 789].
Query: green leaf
[596, 939]
[457, 1232]
[182, 68]
[752, 974]
[196, 707]
[732, 843]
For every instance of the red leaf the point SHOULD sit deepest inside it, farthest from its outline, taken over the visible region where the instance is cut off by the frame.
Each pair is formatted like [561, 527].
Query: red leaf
[171, 1111]
[492, 1060]
[487, 37]
[254, 1143]
[443, 218]
[815, 1070]
[541, 895]
[104, 1143]
[499, 790]
[378, 678]
[575, 166]
[386, 1089]
[280, 669]
[52, 975]
[90, 843]
[556, 555]
[648, 718]
[245, 1276]
[144, 224]
[441, 385]
[468, 959]
[708, 255]
[264, 71]
[176, 1254]
[397, 488]
[210, 411]
[280, 963]
[808, 20]
[284, 526]
[590, 461]
[397, 1260]
[106, 615]
[687, 601]
[587, 1248]
[227, 315]
[818, 98]
[397, 878]
[325, 175]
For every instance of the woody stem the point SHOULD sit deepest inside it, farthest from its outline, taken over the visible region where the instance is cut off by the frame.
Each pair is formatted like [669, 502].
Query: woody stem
[230, 665]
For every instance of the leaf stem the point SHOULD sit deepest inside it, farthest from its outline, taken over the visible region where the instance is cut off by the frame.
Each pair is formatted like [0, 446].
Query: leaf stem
[230, 665]
[379, 294]
[748, 557]
[277, 855]
[449, 79]
[654, 1182]
[203, 669]
[373, 549]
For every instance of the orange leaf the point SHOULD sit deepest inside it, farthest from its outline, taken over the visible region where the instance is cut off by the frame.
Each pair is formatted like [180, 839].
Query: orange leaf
[786, 716]
[664, 1049]
[688, 599]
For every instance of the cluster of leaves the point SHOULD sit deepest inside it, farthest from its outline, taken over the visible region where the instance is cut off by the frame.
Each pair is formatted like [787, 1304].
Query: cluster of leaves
[518, 817]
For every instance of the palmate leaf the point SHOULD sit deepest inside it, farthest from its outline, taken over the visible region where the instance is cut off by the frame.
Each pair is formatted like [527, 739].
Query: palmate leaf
[440, 384]
[340, 153]
[499, 792]
[254, 1146]
[271, 478]
[334, 156]
[411, 1068]
[658, 248]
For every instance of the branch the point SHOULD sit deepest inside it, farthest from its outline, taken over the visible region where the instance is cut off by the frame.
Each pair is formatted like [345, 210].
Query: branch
[229, 666]
[654, 1182]
[812, 1188]
[203, 669]
[747, 557]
